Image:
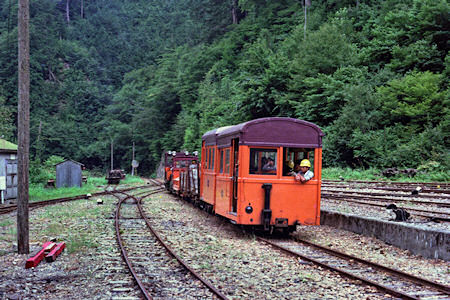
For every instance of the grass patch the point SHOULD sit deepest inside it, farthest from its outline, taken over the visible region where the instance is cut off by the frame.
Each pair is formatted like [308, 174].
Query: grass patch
[132, 179]
[80, 242]
[38, 192]
[376, 174]
[9, 234]
[76, 223]
[6, 223]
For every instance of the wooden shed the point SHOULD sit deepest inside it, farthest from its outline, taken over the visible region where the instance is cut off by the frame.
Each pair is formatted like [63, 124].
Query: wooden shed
[8, 171]
[68, 174]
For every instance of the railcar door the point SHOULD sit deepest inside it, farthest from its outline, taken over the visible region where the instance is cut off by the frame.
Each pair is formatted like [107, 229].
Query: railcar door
[235, 175]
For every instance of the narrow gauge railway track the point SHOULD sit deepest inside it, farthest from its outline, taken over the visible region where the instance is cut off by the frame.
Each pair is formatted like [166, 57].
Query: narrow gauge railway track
[427, 187]
[392, 281]
[141, 247]
[430, 214]
[108, 190]
[383, 198]
[435, 192]
[444, 185]
[388, 194]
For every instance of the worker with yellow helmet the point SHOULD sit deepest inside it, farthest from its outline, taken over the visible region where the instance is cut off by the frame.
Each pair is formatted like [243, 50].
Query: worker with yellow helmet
[302, 171]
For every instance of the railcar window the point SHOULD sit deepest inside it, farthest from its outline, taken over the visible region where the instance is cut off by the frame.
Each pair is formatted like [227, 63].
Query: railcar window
[210, 158]
[213, 156]
[227, 161]
[263, 161]
[180, 164]
[169, 160]
[221, 161]
[292, 156]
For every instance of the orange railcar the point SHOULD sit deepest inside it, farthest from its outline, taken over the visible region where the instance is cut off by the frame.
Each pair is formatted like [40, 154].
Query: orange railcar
[235, 184]
[181, 173]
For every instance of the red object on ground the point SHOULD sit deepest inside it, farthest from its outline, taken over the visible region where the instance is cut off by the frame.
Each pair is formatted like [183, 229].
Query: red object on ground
[32, 262]
[55, 252]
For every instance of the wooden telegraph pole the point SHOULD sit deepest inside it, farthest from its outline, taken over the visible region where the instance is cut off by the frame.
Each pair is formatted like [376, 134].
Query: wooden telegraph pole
[23, 123]
[132, 162]
[112, 154]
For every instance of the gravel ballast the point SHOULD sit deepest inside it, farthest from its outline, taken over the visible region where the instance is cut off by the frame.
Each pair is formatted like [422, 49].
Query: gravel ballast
[241, 267]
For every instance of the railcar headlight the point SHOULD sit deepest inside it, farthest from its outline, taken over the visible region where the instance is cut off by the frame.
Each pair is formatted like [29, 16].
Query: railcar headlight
[249, 209]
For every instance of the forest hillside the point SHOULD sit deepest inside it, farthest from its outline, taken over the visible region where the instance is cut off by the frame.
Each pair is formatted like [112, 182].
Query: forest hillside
[373, 74]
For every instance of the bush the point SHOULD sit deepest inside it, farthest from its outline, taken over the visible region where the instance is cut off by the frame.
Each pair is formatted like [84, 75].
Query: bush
[40, 173]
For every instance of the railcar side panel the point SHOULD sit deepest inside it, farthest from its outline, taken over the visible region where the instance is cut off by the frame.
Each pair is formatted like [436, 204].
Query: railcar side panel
[224, 188]
[208, 175]
[223, 196]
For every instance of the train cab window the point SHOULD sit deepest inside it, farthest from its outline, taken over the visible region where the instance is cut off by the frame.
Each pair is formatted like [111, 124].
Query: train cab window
[227, 161]
[169, 160]
[263, 161]
[180, 164]
[221, 161]
[293, 156]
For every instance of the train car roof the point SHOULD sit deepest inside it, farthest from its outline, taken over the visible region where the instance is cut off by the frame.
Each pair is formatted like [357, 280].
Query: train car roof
[184, 156]
[210, 136]
[274, 131]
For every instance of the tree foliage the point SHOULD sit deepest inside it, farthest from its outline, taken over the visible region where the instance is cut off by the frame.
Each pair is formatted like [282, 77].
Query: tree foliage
[373, 74]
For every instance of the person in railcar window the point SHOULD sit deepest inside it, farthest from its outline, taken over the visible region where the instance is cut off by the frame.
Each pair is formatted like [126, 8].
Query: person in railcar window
[270, 165]
[302, 171]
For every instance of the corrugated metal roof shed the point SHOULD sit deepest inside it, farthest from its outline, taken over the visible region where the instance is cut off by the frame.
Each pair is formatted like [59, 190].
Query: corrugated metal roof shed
[68, 174]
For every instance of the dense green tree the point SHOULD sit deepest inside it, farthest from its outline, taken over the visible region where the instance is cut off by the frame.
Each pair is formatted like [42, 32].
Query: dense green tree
[416, 100]
[6, 121]
[373, 74]
[326, 95]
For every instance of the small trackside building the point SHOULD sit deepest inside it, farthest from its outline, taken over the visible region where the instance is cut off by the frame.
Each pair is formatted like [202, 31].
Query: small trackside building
[8, 171]
[236, 184]
[69, 174]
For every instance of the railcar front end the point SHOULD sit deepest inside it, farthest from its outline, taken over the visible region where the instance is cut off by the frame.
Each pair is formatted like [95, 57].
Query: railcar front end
[237, 184]
[181, 173]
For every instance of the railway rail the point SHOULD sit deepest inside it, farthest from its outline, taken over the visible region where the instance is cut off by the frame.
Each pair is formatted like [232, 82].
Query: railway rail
[389, 280]
[138, 242]
[427, 187]
[424, 213]
[395, 196]
[392, 183]
[12, 207]
[424, 204]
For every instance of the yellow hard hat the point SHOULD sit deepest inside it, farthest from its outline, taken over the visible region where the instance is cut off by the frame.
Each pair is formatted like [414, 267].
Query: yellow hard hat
[305, 163]
[291, 164]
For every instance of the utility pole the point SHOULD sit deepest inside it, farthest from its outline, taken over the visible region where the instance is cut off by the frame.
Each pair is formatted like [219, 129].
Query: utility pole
[234, 10]
[68, 11]
[112, 155]
[132, 163]
[23, 245]
[306, 3]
